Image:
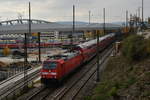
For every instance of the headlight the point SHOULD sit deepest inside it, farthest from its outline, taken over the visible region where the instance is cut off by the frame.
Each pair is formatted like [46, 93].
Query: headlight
[53, 73]
[44, 73]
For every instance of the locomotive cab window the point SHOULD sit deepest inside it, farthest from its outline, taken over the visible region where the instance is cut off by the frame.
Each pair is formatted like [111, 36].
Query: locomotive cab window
[49, 65]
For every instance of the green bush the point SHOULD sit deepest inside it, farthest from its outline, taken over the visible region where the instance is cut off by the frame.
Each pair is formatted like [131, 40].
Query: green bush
[134, 48]
[113, 91]
[148, 46]
[130, 81]
[87, 98]
[101, 91]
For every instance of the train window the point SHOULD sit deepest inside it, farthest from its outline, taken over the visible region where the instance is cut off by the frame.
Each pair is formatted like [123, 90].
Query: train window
[49, 65]
[64, 57]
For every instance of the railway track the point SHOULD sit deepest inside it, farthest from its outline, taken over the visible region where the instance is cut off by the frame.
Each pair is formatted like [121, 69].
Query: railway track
[72, 87]
[41, 94]
[12, 77]
[13, 86]
[71, 90]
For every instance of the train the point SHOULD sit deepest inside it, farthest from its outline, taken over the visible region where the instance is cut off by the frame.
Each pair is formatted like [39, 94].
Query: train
[12, 44]
[56, 68]
[29, 45]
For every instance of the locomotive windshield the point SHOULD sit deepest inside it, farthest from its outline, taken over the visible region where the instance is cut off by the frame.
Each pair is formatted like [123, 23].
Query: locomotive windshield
[49, 65]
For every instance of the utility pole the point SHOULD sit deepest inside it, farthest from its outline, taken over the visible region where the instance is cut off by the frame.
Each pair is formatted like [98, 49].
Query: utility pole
[73, 27]
[139, 14]
[98, 65]
[98, 57]
[25, 48]
[142, 11]
[104, 25]
[39, 46]
[29, 19]
[136, 22]
[142, 26]
[26, 52]
[126, 20]
[89, 17]
[25, 61]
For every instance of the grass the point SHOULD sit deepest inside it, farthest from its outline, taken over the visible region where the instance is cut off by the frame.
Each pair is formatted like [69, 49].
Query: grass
[121, 78]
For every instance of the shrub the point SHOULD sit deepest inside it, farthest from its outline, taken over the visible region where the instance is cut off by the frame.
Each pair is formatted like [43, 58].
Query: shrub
[113, 91]
[134, 48]
[148, 46]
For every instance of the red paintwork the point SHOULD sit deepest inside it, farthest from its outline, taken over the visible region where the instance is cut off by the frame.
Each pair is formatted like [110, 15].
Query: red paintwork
[64, 67]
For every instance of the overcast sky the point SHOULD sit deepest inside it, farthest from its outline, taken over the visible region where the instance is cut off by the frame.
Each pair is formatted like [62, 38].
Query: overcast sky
[61, 10]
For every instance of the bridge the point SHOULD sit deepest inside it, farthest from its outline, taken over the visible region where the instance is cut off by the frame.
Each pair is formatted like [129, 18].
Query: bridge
[21, 26]
[22, 21]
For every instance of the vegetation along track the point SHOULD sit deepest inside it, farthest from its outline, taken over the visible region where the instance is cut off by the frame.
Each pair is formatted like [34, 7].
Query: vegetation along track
[71, 89]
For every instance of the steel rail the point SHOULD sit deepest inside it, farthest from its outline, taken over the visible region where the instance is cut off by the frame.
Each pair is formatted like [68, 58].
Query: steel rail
[36, 93]
[62, 90]
[65, 90]
[83, 82]
[5, 92]
[12, 77]
[86, 81]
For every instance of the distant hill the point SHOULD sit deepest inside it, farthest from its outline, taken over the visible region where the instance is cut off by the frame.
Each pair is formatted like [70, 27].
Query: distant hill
[70, 22]
[84, 23]
[118, 23]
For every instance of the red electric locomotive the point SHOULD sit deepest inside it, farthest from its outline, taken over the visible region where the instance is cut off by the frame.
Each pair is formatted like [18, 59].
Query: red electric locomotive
[55, 68]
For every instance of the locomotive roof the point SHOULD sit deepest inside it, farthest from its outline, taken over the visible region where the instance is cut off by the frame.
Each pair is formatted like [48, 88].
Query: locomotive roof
[92, 42]
[63, 56]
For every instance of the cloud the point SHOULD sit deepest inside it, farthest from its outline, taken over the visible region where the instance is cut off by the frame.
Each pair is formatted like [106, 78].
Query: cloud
[61, 10]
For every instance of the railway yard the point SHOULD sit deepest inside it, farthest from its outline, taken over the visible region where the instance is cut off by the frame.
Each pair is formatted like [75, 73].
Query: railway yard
[73, 86]
[10, 66]
[99, 59]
